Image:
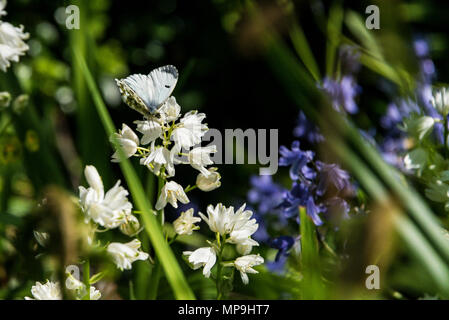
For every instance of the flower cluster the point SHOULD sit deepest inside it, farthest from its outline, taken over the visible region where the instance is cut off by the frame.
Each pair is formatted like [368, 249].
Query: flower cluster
[172, 140]
[12, 44]
[343, 91]
[111, 210]
[317, 186]
[52, 290]
[230, 228]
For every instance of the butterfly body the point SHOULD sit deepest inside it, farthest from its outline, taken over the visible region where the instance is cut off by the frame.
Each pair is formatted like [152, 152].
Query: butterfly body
[147, 93]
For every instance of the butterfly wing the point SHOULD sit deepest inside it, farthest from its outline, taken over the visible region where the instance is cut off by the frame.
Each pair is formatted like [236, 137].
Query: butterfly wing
[146, 94]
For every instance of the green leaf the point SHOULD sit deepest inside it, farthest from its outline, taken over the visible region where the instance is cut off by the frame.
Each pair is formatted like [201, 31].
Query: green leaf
[312, 286]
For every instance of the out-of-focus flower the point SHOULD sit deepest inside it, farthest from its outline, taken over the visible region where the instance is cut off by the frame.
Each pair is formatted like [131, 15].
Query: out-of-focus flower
[5, 99]
[12, 44]
[420, 126]
[245, 265]
[171, 192]
[124, 254]
[342, 93]
[210, 182]
[440, 101]
[331, 175]
[283, 244]
[265, 193]
[185, 224]
[48, 291]
[108, 210]
[202, 257]
[129, 142]
[307, 130]
[349, 59]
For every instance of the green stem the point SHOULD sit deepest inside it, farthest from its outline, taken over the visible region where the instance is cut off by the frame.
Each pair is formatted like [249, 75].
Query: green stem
[157, 270]
[86, 278]
[446, 151]
[220, 267]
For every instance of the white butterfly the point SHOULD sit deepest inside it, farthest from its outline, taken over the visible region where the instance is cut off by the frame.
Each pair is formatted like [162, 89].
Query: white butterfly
[146, 94]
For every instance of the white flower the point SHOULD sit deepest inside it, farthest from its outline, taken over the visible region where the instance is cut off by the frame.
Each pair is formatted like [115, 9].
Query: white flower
[94, 293]
[237, 225]
[151, 130]
[209, 183]
[199, 158]
[202, 257]
[124, 254]
[189, 131]
[48, 291]
[128, 140]
[416, 159]
[131, 226]
[220, 219]
[108, 210]
[243, 228]
[2, 8]
[80, 288]
[11, 41]
[185, 224]
[419, 126]
[440, 101]
[245, 265]
[244, 249]
[158, 157]
[170, 110]
[171, 192]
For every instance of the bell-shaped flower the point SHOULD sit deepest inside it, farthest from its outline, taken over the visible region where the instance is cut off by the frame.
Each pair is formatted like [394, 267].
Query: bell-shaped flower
[124, 254]
[108, 210]
[243, 228]
[185, 224]
[159, 156]
[219, 218]
[170, 110]
[128, 141]
[245, 265]
[171, 192]
[47, 291]
[202, 257]
[12, 44]
[199, 158]
[189, 131]
[151, 130]
[209, 182]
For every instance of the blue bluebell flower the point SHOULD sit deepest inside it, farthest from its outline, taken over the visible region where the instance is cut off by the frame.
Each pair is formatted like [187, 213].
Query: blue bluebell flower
[331, 175]
[297, 160]
[342, 93]
[307, 130]
[283, 244]
[265, 193]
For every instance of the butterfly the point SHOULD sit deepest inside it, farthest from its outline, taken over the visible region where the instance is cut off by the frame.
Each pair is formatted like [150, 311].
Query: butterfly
[147, 93]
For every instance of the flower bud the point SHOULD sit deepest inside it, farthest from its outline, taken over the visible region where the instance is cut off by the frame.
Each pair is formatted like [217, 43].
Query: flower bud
[20, 103]
[5, 100]
[209, 183]
[131, 226]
